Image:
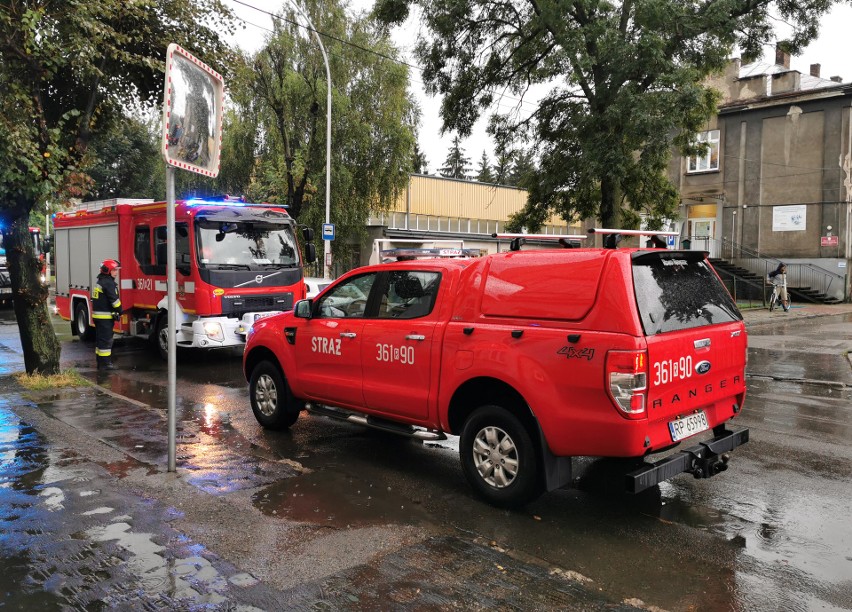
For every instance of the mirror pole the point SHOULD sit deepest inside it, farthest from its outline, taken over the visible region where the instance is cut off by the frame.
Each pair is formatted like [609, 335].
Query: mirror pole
[172, 304]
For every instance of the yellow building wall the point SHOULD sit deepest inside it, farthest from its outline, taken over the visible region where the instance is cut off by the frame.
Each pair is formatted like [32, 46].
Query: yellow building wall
[444, 197]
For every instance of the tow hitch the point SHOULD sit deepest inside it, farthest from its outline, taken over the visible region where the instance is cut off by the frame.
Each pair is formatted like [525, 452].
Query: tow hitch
[704, 460]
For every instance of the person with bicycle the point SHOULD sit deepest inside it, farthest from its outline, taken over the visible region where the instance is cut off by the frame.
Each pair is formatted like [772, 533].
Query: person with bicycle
[778, 278]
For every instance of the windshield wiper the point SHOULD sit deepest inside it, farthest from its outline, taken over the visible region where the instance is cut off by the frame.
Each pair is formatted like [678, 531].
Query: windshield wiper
[222, 266]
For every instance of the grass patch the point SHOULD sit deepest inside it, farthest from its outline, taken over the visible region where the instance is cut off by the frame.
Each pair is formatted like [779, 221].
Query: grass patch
[41, 382]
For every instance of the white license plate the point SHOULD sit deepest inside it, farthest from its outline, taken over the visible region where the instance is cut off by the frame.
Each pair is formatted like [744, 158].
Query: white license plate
[5, 290]
[688, 426]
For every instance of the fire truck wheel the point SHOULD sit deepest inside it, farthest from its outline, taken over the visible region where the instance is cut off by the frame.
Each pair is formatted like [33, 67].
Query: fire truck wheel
[161, 338]
[498, 457]
[81, 322]
[273, 405]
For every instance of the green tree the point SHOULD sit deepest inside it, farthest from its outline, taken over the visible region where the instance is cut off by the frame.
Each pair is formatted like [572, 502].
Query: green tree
[523, 170]
[626, 82]
[67, 72]
[484, 173]
[456, 164]
[503, 165]
[276, 137]
[125, 161]
[418, 161]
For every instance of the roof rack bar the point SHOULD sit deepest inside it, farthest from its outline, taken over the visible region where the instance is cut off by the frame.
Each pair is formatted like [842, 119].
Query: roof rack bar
[627, 232]
[556, 237]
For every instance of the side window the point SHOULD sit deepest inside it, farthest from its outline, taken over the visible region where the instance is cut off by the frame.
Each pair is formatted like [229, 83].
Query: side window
[409, 294]
[182, 255]
[142, 247]
[347, 300]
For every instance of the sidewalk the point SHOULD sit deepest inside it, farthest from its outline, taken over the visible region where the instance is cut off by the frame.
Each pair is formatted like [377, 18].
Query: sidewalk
[755, 317]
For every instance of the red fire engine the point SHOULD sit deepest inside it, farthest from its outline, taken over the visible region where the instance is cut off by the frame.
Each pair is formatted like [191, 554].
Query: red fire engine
[236, 262]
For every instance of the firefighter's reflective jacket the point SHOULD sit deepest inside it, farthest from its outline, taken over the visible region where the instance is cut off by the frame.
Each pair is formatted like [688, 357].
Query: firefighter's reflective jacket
[105, 300]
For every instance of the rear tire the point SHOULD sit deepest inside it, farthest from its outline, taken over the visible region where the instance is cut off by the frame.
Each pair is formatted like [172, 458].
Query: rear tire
[498, 457]
[272, 402]
[80, 323]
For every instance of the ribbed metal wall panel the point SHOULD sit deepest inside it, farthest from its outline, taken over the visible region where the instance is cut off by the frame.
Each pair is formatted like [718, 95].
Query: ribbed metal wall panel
[443, 197]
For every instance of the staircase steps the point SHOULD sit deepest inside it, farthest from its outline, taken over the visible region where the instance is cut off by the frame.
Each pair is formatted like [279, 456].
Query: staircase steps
[802, 293]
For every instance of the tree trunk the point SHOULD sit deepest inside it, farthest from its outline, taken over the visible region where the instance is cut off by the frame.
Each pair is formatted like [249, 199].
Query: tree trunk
[609, 203]
[38, 340]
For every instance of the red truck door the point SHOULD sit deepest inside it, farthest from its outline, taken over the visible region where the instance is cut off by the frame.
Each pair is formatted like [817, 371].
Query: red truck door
[398, 344]
[328, 345]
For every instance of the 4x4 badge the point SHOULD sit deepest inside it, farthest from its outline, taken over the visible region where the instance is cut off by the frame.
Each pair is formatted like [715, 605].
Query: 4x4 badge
[572, 353]
[702, 367]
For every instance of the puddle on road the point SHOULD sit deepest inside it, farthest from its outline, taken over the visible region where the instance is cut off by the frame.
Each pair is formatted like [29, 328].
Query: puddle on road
[212, 455]
[68, 544]
[336, 500]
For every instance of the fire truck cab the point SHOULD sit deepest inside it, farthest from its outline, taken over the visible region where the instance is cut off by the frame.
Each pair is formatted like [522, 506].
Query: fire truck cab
[236, 263]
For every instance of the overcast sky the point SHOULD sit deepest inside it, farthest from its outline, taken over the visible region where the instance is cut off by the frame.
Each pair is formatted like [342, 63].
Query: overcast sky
[831, 50]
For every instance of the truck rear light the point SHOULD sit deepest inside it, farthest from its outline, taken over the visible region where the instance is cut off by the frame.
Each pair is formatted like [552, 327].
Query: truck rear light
[627, 380]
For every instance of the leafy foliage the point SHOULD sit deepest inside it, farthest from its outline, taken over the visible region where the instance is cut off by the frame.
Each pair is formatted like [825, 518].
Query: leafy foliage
[275, 141]
[484, 173]
[68, 71]
[625, 84]
[456, 165]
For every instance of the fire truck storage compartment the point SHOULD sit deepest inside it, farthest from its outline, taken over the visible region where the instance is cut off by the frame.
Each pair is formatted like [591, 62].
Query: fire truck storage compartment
[79, 251]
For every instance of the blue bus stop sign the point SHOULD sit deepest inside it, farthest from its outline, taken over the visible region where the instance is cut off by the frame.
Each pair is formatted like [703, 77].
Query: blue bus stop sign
[328, 231]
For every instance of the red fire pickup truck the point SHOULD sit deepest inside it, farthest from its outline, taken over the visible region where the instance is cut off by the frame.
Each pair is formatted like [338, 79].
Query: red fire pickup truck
[532, 357]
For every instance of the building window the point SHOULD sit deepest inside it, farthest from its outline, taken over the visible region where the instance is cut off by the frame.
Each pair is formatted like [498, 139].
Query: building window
[710, 159]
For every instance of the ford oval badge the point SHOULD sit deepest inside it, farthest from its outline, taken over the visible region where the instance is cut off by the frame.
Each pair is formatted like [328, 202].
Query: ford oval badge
[702, 367]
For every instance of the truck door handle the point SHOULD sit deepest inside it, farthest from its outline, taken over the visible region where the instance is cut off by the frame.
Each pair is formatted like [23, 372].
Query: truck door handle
[348, 334]
[420, 337]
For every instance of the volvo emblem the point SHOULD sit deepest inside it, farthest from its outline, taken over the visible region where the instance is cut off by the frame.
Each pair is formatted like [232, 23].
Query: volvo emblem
[702, 367]
[258, 279]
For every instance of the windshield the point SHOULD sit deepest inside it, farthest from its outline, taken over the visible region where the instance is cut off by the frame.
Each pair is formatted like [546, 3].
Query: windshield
[245, 244]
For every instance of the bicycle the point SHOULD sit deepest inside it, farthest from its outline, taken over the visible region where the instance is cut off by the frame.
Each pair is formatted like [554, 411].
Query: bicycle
[775, 298]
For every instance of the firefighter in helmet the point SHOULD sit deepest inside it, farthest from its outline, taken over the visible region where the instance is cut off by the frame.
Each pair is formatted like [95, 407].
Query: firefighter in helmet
[106, 309]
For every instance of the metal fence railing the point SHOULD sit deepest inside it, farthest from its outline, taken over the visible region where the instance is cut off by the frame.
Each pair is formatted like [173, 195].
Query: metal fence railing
[798, 274]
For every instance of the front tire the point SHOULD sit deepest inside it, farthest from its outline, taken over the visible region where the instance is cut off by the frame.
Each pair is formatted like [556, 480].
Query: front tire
[498, 457]
[273, 405]
[161, 338]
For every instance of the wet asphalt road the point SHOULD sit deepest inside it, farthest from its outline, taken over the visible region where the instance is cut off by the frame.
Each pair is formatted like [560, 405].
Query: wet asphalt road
[332, 516]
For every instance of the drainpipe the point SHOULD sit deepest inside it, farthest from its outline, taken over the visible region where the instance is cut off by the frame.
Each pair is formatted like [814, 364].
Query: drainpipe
[846, 165]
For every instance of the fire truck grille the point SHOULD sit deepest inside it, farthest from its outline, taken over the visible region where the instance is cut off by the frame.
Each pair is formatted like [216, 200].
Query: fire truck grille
[257, 303]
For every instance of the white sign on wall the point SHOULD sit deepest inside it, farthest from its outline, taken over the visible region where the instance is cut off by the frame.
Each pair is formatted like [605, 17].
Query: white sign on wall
[789, 218]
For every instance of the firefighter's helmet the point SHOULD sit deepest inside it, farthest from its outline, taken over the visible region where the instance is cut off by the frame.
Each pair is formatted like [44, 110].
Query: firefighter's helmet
[109, 265]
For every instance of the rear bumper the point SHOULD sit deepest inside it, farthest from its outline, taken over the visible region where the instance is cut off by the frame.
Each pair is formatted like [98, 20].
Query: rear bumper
[704, 460]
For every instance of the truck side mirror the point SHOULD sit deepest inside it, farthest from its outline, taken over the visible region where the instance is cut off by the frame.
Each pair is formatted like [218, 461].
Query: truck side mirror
[302, 310]
[45, 246]
[308, 234]
[310, 253]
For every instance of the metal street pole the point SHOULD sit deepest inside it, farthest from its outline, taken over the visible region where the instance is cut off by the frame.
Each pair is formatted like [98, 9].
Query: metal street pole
[171, 282]
[327, 243]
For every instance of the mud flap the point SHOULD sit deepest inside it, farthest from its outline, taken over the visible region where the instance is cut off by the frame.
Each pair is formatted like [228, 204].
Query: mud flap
[702, 461]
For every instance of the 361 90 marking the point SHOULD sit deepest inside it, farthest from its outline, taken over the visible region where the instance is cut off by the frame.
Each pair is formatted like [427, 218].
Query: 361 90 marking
[669, 370]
